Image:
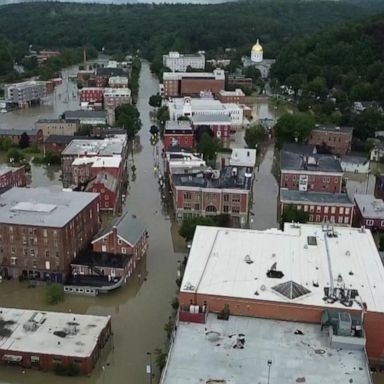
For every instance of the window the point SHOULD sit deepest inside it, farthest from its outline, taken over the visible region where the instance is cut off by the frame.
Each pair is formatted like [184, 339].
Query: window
[332, 219]
[119, 242]
[346, 220]
[318, 218]
[235, 199]
[340, 219]
[13, 250]
[286, 177]
[226, 208]
[305, 208]
[311, 208]
[318, 209]
[106, 197]
[333, 210]
[102, 190]
[369, 222]
[347, 211]
[235, 209]
[123, 250]
[310, 217]
[187, 195]
[299, 207]
[106, 204]
[197, 207]
[10, 228]
[341, 210]
[45, 233]
[325, 218]
[226, 197]
[13, 260]
[32, 252]
[46, 253]
[336, 180]
[25, 241]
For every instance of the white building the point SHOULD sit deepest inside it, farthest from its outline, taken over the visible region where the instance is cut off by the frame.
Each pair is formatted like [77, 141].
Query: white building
[26, 92]
[257, 53]
[118, 82]
[354, 164]
[178, 62]
[243, 157]
[198, 107]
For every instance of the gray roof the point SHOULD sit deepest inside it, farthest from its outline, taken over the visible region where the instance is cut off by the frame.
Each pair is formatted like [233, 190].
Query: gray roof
[354, 159]
[211, 118]
[290, 160]
[110, 182]
[53, 121]
[128, 227]
[226, 179]
[65, 139]
[287, 196]
[370, 207]
[80, 113]
[333, 128]
[42, 207]
[17, 132]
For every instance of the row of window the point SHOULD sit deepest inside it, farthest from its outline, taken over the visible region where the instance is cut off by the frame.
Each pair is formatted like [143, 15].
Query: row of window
[340, 220]
[226, 197]
[326, 179]
[319, 209]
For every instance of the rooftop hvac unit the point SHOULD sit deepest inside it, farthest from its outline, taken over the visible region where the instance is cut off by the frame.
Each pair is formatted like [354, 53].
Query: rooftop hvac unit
[344, 324]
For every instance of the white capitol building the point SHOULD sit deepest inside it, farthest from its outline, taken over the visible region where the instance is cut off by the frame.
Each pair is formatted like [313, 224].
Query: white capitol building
[257, 60]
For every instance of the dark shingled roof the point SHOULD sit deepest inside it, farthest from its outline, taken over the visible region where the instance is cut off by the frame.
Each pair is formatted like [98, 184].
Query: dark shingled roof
[302, 197]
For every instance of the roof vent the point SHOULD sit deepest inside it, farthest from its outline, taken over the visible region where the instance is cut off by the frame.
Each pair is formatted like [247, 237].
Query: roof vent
[273, 273]
[248, 259]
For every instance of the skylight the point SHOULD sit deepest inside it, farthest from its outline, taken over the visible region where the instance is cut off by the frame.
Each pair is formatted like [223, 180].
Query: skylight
[291, 290]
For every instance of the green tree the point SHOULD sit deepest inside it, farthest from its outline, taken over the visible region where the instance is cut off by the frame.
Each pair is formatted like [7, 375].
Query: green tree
[294, 127]
[155, 100]
[54, 293]
[188, 226]
[291, 213]
[6, 143]
[208, 146]
[24, 141]
[254, 135]
[253, 73]
[128, 116]
[162, 114]
[367, 123]
[154, 130]
[15, 156]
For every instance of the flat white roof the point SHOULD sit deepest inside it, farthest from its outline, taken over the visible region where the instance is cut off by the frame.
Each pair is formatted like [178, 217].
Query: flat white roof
[108, 147]
[108, 162]
[34, 332]
[234, 263]
[204, 352]
[370, 207]
[243, 157]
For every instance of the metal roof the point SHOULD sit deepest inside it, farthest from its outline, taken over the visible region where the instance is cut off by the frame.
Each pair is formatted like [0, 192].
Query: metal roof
[309, 197]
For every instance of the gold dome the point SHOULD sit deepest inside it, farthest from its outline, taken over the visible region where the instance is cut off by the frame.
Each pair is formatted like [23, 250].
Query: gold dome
[257, 47]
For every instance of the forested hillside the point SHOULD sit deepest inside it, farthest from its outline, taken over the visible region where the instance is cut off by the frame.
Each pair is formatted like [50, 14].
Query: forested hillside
[155, 29]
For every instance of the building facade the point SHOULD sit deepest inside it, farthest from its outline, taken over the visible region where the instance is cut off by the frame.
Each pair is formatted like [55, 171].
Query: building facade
[178, 133]
[60, 127]
[26, 93]
[337, 140]
[12, 177]
[369, 212]
[236, 97]
[92, 95]
[42, 230]
[178, 62]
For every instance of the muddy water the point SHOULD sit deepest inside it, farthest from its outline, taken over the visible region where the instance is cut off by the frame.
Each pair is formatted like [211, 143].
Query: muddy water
[139, 310]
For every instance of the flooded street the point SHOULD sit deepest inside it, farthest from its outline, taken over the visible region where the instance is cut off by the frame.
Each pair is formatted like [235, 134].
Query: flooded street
[139, 310]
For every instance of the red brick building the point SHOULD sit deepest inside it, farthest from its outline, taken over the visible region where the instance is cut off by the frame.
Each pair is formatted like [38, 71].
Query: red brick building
[92, 95]
[52, 340]
[178, 133]
[212, 193]
[295, 275]
[107, 186]
[178, 84]
[369, 212]
[12, 177]
[103, 75]
[337, 140]
[237, 96]
[219, 125]
[322, 207]
[42, 230]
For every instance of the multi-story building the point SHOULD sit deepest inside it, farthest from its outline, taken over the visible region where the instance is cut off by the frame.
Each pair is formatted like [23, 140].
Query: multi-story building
[239, 81]
[104, 73]
[321, 206]
[337, 140]
[118, 82]
[12, 177]
[42, 230]
[92, 95]
[303, 170]
[195, 108]
[115, 146]
[369, 212]
[303, 274]
[26, 93]
[52, 340]
[234, 97]
[208, 192]
[113, 98]
[59, 127]
[15, 134]
[379, 187]
[57, 143]
[86, 117]
[192, 83]
[178, 133]
[178, 62]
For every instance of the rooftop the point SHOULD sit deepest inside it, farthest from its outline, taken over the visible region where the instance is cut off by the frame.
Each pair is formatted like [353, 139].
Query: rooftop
[235, 263]
[333, 128]
[217, 74]
[17, 132]
[82, 114]
[238, 351]
[106, 179]
[236, 92]
[211, 119]
[52, 333]
[65, 139]
[293, 161]
[308, 197]
[128, 227]
[117, 92]
[107, 147]
[42, 207]
[354, 159]
[228, 178]
[110, 71]
[54, 121]
[4, 169]
[243, 157]
[181, 125]
[369, 206]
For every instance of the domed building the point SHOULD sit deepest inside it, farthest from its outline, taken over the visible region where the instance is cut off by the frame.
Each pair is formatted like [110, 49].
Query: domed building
[257, 53]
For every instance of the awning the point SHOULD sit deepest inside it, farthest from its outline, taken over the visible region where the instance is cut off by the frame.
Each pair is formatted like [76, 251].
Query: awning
[13, 358]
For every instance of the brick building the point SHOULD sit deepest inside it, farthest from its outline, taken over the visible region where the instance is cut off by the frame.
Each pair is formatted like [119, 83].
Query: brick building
[321, 206]
[42, 230]
[77, 149]
[337, 140]
[107, 186]
[239, 81]
[87, 117]
[15, 134]
[379, 187]
[299, 275]
[57, 143]
[206, 193]
[192, 83]
[92, 95]
[104, 73]
[178, 133]
[117, 250]
[12, 177]
[369, 212]
[303, 170]
[118, 82]
[219, 125]
[113, 98]
[236, 97]
[45, 340]
[61, 127]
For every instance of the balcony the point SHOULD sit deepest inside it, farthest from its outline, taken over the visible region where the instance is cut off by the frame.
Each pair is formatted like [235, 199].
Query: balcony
[193, 314]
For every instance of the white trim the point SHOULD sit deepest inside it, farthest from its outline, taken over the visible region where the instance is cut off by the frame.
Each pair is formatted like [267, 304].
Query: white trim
[316, 173]
[101, 237]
